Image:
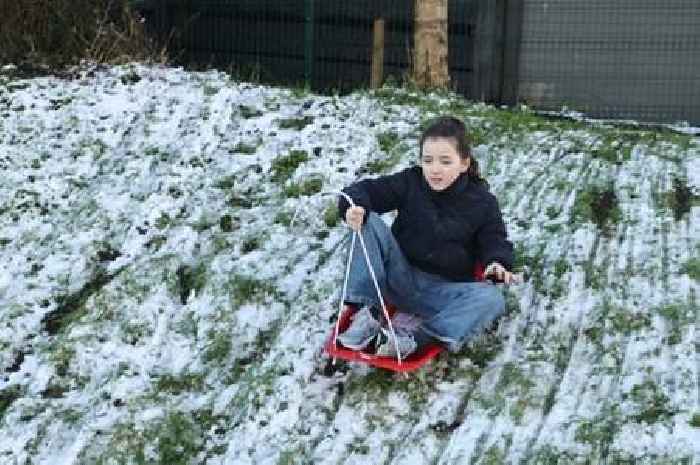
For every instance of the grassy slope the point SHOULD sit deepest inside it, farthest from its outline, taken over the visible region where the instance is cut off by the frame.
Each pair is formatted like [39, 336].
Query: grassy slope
[188, 322]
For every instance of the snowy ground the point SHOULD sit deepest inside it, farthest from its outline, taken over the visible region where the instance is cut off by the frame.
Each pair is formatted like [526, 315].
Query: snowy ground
[157, 307]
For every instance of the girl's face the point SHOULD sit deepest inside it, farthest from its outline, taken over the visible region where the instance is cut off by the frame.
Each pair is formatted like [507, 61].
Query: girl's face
[441, 162]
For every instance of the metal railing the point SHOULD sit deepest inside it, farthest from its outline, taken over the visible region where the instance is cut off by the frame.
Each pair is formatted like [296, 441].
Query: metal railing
[635, 59]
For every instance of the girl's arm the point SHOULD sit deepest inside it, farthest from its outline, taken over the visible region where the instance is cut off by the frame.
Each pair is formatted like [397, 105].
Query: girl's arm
[381, 195]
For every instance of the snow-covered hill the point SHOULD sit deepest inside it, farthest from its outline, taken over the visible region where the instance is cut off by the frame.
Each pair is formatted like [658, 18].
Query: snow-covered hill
[156, 305]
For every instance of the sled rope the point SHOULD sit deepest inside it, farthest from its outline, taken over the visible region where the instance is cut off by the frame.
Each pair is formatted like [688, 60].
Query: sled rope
[374, 280]
[355, 234]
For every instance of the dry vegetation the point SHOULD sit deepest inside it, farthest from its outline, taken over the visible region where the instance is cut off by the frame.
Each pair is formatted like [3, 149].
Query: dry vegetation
[56, 33]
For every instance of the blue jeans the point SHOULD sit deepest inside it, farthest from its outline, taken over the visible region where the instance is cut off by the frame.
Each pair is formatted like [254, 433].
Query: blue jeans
[451, 312]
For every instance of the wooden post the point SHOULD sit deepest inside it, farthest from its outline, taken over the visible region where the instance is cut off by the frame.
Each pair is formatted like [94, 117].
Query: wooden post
[378, 54]
[430, 66]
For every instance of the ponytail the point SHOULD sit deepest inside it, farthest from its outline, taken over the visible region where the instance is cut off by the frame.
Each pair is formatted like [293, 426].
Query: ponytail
[473, 172]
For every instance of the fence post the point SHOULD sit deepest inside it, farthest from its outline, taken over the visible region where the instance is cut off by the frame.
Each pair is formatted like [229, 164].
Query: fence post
[511, 53]
[377, 54]
[308, 40]
[488, 51]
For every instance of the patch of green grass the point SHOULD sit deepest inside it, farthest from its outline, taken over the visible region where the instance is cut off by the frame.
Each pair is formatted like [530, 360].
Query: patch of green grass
[612, 148]
[513, 380]
[283, 167]
[186, 325]
[532, 263]
[61, 357]
[385, 162]
[244, 289]
[681, 199]
[71, 307]
[614, 322]
[70, 416]
[251, 243]
[296, 123]
[390, 154]
[677, 316]
[163, 221]
[393, 95]
[301, 90]
[652, 404]
[598, 205]
[257, 382]
[482, 351]
[241, 201]
[600, 430]
[513, 375]
[494, 455]
[219, 346]
[552, 212]
[488, 124]
[692, 268]
[593, 277]
[55, 389]
[291, 456]
[176, 439]
[210, 90]
[561, 266]
[358, 447]
[242, 147]
[331, 215]
[694, 420]
[7, 397]
[308, 187]
[155, 152]
[387, 141]
[203, 223]
[248, 112]
[378, 383]
[133, 332]
[226, 223]
[283, 217]
[549, 455]
[178, 384]
[630, 136]
[95, 147]
[186, 279]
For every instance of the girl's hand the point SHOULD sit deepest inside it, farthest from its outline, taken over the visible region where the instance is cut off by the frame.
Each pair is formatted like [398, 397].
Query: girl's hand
[354, 217]
[497, 271]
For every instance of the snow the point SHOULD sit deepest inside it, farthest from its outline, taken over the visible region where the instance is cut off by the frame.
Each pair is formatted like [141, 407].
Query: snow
[225, 323]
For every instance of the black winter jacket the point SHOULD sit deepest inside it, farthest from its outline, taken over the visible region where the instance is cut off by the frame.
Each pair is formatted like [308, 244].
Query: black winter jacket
[440, 232]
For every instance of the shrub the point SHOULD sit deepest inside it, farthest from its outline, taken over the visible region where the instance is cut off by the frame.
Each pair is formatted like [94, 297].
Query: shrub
[62, 32]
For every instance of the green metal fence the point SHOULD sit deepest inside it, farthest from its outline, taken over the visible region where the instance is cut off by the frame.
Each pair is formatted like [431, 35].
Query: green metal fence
[624, 59]
[325, 43]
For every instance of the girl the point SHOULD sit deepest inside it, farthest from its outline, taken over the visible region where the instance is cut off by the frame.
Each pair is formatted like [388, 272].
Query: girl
[447, 222]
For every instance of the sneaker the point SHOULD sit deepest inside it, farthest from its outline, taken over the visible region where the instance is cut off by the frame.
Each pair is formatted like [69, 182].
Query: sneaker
[361, 331]
[404, 339]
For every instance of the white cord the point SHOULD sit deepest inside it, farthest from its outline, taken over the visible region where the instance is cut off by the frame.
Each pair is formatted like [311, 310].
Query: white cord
[345, 288]
[347, 275]
[374, 279]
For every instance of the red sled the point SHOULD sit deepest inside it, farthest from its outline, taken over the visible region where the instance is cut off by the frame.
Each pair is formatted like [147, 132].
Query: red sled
[410, 363]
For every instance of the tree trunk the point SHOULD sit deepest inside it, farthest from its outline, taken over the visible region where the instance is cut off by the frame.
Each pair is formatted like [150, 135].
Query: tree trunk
[430, 67]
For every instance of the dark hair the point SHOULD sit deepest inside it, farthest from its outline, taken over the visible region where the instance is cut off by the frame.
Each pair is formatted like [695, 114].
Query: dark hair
[452, 128]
